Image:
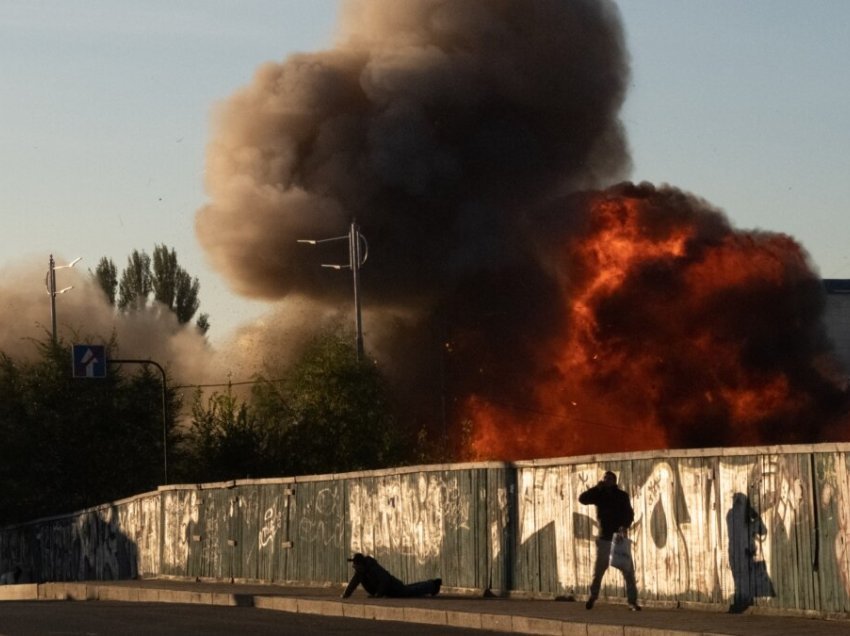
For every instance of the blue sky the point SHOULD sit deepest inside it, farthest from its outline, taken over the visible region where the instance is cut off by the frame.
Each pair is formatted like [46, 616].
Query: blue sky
[105, 108]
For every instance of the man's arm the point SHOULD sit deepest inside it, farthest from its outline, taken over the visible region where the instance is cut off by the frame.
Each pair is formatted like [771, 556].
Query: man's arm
[352, 585]
[590, 496]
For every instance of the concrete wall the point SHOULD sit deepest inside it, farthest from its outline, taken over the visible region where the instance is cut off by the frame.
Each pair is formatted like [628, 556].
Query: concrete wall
[767, 526]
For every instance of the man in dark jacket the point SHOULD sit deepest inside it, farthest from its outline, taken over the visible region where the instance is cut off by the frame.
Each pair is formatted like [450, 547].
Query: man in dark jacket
[615, 514]
[378, 582]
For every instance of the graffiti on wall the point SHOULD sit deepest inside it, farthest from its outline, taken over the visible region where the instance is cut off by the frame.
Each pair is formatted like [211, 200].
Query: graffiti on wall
[180, 515]
[406, 514]
[272, 522]
[499, 525]
[99, 543]
[713, 530]
[321, 518]
[835, 498]
[768, 529]
[139, 521]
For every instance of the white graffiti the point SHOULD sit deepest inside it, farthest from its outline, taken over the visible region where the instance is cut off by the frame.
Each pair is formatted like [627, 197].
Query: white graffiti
[139, 521]
[321, 521]
[272, 521]
[180, 514]
[406, 514]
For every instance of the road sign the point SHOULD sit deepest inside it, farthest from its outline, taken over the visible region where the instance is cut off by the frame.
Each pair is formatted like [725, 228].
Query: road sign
[89, 361]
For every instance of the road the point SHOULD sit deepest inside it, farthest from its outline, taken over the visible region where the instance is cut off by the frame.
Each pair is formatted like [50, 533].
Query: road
[96, 618]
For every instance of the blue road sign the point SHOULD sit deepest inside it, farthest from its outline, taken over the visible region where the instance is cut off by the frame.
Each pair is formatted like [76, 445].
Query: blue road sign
[89, 361]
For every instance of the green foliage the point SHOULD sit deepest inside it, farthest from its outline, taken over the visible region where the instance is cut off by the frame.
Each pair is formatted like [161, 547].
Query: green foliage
[172, 285]
[106, 275]
[341, 418]
[135, 285]
[330, 413]
[203, 323]
[160, 276]
[71, 443]
[225, 440]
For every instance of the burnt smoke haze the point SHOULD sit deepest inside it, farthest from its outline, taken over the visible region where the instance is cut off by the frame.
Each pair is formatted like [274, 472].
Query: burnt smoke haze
[458, 134]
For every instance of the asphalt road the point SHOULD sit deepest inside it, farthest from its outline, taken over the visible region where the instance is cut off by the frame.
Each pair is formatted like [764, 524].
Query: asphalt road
[96, 618]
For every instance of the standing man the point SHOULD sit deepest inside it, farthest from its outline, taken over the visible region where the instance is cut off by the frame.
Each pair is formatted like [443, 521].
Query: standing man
[615, 514]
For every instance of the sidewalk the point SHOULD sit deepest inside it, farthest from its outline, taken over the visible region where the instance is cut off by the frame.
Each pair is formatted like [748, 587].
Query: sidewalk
[510, 615]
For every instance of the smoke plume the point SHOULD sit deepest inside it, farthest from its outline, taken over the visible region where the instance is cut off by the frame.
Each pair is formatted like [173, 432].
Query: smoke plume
[506, 290]
[434, 123]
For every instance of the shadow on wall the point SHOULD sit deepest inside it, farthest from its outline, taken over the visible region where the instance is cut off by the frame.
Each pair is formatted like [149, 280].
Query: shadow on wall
[749, 572]
[86, 546]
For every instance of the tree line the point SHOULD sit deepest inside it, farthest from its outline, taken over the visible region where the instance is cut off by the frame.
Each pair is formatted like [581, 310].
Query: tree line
[160, 278]
[70, 443]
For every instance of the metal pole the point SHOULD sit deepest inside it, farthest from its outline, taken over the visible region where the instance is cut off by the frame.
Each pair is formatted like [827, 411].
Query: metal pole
[50, 283]
[164, 414]
[51, 273]
[355, 262]
[356, 258]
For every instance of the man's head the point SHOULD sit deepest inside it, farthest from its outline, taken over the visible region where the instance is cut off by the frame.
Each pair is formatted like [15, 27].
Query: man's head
[357, 559]
[609, 479]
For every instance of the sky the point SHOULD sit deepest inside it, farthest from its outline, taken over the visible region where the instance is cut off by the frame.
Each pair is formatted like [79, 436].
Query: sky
[105, 113]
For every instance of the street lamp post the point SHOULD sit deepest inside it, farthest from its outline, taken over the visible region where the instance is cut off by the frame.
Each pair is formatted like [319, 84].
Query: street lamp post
[50, 283]
[164, 412]
[358, 252]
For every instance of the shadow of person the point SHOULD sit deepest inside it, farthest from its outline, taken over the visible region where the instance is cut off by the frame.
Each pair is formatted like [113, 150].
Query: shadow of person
[746, 531]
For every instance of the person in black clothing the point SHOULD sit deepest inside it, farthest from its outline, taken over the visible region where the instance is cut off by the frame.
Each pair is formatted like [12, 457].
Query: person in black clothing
[615, 514]
[378, 582]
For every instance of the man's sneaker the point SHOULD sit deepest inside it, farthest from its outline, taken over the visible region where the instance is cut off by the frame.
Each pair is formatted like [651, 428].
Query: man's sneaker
[590, 602]
[437, 585]
[635, 607]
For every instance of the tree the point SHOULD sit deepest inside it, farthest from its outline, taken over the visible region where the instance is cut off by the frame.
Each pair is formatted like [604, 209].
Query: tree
[225, 440]
[106, 275]
[341, 414]
[70, 443]
[203, 323]
[162, 276]
[330, 413]
[135, 285]
[172, 285]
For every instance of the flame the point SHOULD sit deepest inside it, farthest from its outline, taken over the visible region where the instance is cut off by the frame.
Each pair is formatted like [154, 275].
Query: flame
[678, 331]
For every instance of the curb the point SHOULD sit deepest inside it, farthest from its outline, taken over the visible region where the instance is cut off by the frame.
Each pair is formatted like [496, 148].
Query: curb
[507, 623]
[452, 618]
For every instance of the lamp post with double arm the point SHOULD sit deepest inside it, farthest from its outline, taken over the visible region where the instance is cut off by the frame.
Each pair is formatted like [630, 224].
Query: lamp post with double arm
[50, 283]
[358, 252]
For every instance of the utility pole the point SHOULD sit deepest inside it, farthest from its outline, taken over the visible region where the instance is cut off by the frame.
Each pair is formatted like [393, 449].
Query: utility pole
[358, 252]
[50, 283]
[356, 260]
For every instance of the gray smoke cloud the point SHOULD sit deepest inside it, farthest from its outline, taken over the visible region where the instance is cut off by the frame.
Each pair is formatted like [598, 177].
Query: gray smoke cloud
[435, 123]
